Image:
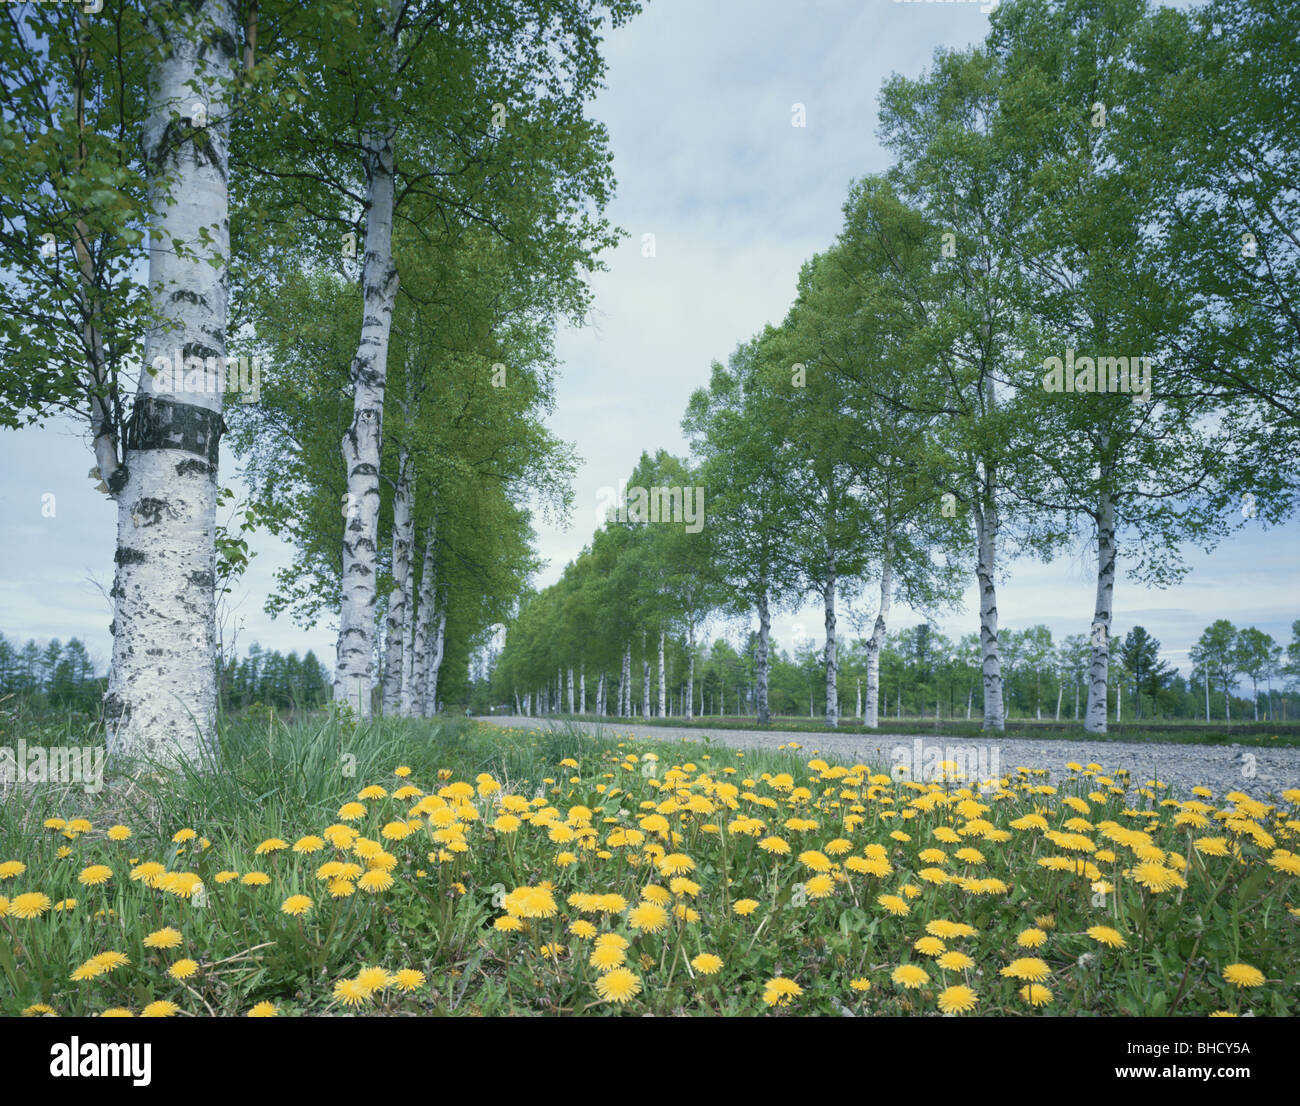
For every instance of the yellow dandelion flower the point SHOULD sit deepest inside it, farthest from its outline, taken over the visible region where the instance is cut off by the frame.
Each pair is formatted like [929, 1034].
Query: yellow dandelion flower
[408, 979]
[1243, 975]
[159, 1009]
[375, 880]
[707, 963]
[745, 907]
[296, 905]
[350, 992]
[957, 999]
[910, 976]
[649, 917]
[1036, 994]
[618, 986]
[165, 938]
[118, 833]
[183, 969]
[1027, 967]
[779, 991]
[32, 904]
[606, 958]
[264, 1010]
[1105, 935]
[1031, 938]
[270, 845]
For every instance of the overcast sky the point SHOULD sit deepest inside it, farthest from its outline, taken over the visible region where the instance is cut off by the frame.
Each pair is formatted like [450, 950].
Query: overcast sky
[699, 104]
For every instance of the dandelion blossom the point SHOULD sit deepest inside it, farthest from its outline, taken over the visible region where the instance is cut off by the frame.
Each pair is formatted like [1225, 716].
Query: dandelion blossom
[296, 905]
[707, 963]
[183, 969]
[94, 875]
[910, 976]
[1036, 994]
[1027, 967]
[957, 1000]
[618, 986]
[1243, 975]
[1106, 936]
[166, 938]
[779, 991]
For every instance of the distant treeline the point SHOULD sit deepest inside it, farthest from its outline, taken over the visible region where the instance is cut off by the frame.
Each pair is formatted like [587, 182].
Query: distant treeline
[63, 675]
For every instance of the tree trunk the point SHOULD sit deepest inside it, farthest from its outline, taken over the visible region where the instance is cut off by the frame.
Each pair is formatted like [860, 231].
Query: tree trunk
[361, 441]
[582, 687]
[986, 533]
[760, 662]
[663, 686]
[627, 680]
[436, 652]
[423, 628]
[403, 539]
[645, 678]
[161, 699]
[571, 691]
[1060, 693]
[1095, 719]
[690, 670]
[857, 710]
[876, 642]
[830, 655]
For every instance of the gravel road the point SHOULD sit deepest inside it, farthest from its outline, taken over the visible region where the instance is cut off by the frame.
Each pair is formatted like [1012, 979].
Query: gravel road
[1257, 770]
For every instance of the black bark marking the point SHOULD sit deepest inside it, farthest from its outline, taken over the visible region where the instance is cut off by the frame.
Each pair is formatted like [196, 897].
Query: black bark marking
[150, 511]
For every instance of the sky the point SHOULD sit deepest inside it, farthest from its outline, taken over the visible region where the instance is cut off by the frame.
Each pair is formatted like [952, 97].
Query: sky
[700, 101]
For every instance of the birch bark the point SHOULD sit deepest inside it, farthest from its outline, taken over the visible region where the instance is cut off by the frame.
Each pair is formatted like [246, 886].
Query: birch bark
[161, 699]
[403, 537]
[1095, 717]
[361, 441]
[876, 642]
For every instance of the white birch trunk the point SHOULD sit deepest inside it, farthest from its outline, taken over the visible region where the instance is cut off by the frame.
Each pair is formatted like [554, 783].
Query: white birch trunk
[1095, 718]
[830, 655]
[690, 670]
[161, 699]
[857, 707]
[645, 679]
[436, 652]
[423, 628]
[403, 539]
[1060, 694]
[877, 641]
[761, 661]
[582, 687]
[361, 441]
[986, 527]
[627, 681]
[663, 685]
[571, 691]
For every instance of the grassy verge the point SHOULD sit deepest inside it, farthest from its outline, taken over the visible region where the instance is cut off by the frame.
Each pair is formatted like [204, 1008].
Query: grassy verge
[408, 868]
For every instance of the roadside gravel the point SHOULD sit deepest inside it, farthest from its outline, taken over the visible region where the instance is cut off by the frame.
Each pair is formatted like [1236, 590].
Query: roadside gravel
[1261, 772]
